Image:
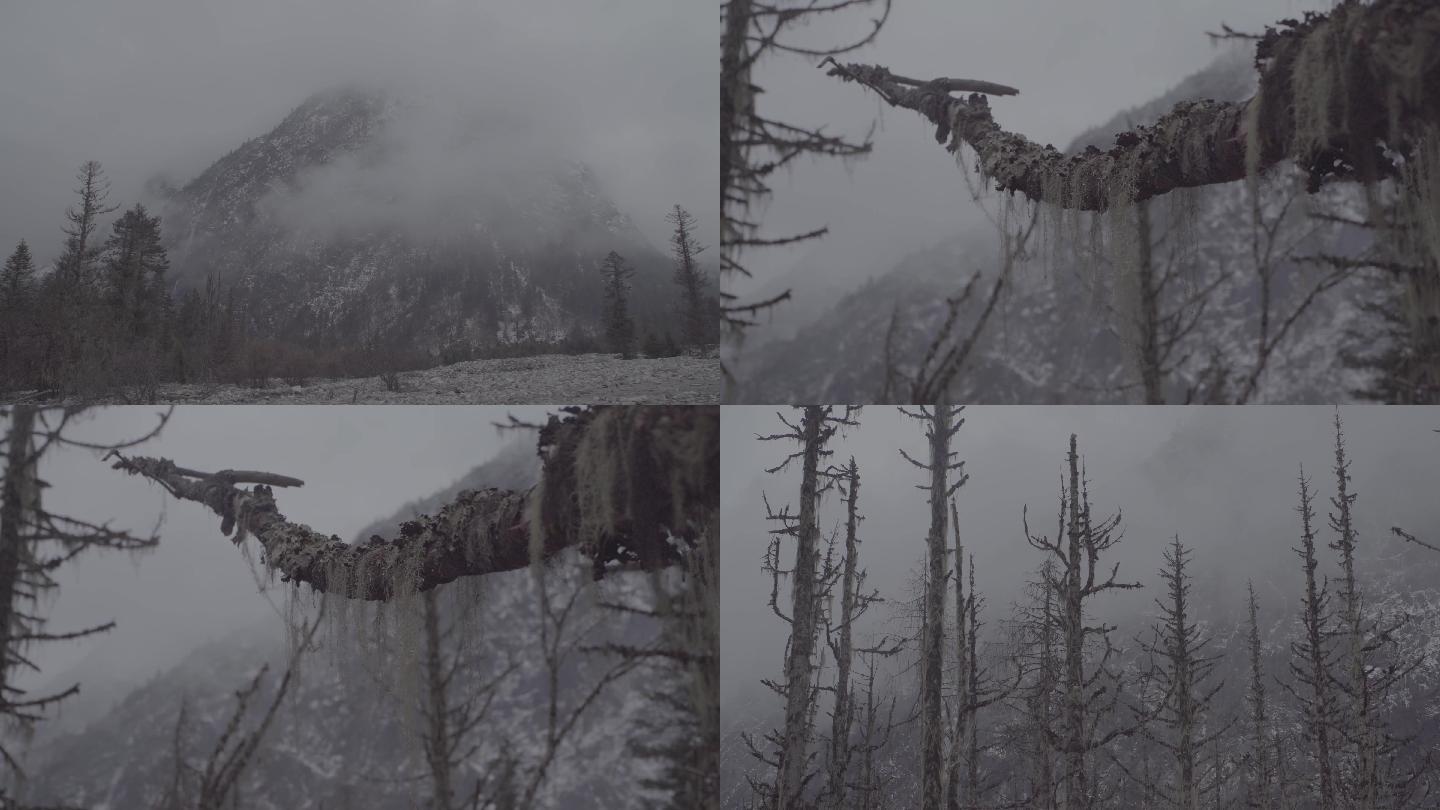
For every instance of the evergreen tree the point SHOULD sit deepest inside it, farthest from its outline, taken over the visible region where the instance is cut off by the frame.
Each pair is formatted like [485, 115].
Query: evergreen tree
[619, 326]
[135, 271]
[689, 277]
[17, 280]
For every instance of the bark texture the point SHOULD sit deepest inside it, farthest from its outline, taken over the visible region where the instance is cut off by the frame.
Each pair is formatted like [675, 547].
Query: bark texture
[799, 664]
[1332, 88]
[616, 483]
[844, 648]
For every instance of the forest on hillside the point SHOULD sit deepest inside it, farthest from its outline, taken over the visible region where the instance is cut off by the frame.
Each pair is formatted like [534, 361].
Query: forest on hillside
[1292, 671]
[110, 317]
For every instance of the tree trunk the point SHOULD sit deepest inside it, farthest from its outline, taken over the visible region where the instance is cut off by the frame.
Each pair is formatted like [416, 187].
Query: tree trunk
[957, 733]
[1148, 348]
[1315, 667]
[799, 666]
[843, 711]
[932, 632]
[1072, 624]
[14, 502]
[437, 711]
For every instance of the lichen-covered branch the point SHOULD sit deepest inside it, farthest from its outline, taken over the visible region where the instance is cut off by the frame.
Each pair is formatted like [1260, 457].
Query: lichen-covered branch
[1345, 95]
[617, 482]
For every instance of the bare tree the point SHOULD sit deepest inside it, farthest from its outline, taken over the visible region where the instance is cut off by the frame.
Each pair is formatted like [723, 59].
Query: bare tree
[754, 146]
[450, 715]
[818, 424]
[34, 544]
[77, 265]
[1312, 660]
[948, 352]
[1089, 694]
[853, 604]
[1182, 675]
[1260, 772]
[215, 784]
[941, 424]
[875, 736]
[1037, 638]
[689, 277]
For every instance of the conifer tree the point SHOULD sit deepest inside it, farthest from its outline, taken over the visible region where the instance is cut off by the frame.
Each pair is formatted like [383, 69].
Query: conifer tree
[135, 265]
[34, 543]
[76, 267]
[1089, 691]
[619, 326]
[791, 745]
[1312, 659]
[942, 422]
[17, 281]
[1260, 777]
[689, 277]
[1182, 674]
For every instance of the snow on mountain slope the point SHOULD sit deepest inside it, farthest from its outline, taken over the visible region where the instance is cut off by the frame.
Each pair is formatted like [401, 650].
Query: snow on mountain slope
[364, 216]
[341, 738]
[1057, 335]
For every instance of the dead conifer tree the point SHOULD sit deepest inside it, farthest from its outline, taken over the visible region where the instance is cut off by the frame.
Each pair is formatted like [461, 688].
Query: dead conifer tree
[962, 704]
[1312, 660]
[754, 146]
[1260, 774]
[448, 717]
[941, 423]
[34, 544]
[1181, 673]
[1370, 670]
[791, 745]
[1037, 665]
[874, 737]
[853, 604]
[1089, 691]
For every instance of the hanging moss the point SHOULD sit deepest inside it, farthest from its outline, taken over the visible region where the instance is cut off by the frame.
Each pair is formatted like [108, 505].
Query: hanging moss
[617, 481]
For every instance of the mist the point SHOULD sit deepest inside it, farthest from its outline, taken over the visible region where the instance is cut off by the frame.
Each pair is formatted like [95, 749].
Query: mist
[1075, 64]
[1223, 479]
[162, 88]
[358, 465]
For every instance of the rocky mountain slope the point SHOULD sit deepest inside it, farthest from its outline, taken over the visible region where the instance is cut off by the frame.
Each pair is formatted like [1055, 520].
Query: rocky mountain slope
[1060, 332]
[368, 217]
[343, 738]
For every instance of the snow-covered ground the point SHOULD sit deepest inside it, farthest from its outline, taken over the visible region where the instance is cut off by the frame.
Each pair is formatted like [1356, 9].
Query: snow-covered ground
[584, 379]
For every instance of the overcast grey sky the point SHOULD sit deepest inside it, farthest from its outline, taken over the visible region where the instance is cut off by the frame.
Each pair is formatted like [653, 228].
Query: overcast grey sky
[1223, 478]
[1075, 64]
[152, 87]
[358, 463]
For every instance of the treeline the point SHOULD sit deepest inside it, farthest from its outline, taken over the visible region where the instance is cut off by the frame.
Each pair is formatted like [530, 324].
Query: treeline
[1316, 709]
[108, 319]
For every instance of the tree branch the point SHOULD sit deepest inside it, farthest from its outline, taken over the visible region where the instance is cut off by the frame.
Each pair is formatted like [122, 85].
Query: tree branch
[1334, 89]
[617, 482]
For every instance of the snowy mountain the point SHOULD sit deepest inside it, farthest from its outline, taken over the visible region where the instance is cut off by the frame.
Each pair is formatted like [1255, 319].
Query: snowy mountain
[342, 738]
[1058, 334]
[375, 216]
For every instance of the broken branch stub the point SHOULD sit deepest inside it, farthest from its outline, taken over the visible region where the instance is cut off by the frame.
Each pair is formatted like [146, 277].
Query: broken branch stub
[617, 482]
[1345, 95]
